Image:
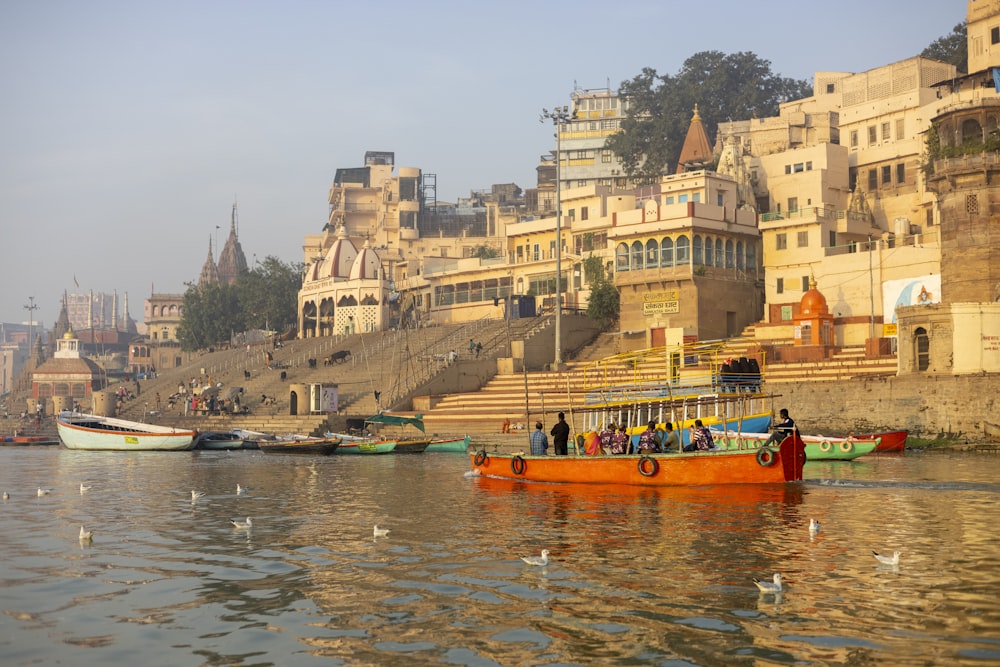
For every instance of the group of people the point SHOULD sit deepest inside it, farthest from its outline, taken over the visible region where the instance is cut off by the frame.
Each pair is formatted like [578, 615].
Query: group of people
[475, 347]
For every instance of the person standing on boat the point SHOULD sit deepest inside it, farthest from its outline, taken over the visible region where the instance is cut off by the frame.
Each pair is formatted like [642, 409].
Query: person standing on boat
[539, 441]
[671, 441]
[560, 436]
[782, 429]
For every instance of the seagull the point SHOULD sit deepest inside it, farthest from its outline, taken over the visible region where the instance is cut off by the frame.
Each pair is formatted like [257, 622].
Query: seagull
[537, 560]
[240, 490]
[83, 488]
[6, 496]
[887, 560]
[380, 532]
[767, 586]
[195, 495]
[86, 535]
[813, 526]
[244, 525]
[43, 492]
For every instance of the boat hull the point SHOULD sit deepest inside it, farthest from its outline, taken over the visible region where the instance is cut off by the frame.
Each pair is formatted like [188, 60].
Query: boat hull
[367, 447]
[218, 440]
[889, 441]
[453, 445]
[323, 447]
[677, 469]
[95, 433]
[818, 448]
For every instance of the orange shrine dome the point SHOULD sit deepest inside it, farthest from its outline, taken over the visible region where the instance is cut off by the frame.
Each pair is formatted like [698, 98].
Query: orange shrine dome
[813, 302]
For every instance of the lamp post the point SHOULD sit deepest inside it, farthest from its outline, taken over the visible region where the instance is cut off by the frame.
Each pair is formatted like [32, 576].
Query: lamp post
[31, 308]
[559, 117]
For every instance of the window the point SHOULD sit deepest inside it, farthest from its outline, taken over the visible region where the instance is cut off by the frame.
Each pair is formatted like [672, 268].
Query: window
[805, 283]
[730, 255]
[696, 197]
[900, 126]
[667, 252]
[536, 252]
[803, 239]
[886, 132]
[830, 88]
[994, 35]
[781, 287]
[793, 204]
[809, 166]
[780, 241]
[788, 168]
[683, 250]
[697, 252]
[670, 199]
[887, 175]
[873, 179]
[605, 157]
[718, 253]
[833, 239]
[872, 135]
[922, 349]
[930, 217]
[636, 263]
[621, 257]
[682, 199]
[582, 183]
[552, 249]
[798, 168]
[708, 252]
[854, 138]
[652, 253]
[900, 173]
[584, 212]
[719, 200]
[972, 204]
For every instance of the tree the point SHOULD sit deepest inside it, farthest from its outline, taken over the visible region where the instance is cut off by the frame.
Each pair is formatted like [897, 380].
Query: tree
[485, 252]
[724, 86]
[604, 303]
[211, 313]
[953, 48]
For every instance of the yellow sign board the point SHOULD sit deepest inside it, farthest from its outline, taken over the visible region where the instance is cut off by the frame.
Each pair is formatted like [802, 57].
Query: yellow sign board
[665, 295]
[661, 307]
[889, 329]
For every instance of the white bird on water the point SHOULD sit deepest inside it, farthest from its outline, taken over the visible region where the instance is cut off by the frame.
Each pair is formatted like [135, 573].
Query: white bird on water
[6, 496]
[887, 560]
[537, 560]
[195, 495]
[769, 586]
[813, 526]
[43, 492]
[245, 525]
[83, 488]
[380, 532]
[240, 490]
[86, 535]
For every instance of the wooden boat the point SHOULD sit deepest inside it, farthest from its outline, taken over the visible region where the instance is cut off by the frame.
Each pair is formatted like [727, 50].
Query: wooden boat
[300, 445]
[411, 445]
[762, 466]
[252, 439]
[28, 440]
[449, 445]
[218, 440]
[363, 446]
[818, 447]
[889, 441]
[94, 432]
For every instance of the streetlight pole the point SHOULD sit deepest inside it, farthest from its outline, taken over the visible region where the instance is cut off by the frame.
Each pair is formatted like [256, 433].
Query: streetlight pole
[559, 117]
[31, 308]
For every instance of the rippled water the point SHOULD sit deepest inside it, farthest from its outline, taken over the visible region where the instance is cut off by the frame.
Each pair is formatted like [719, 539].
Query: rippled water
[638, 576]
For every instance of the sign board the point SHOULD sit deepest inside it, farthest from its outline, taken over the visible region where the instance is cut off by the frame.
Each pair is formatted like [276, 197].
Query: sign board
[889, 330]
[660, 307]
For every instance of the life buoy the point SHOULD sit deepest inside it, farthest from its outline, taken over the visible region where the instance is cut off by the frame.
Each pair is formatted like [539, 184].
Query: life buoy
[766, 457]
[846, 446]
[480, 457]
[517, 465]
[648, 466]
[825, 446]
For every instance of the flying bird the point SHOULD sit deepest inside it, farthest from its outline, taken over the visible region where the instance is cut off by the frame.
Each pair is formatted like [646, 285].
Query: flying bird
[813, 526]
[887, 560]
[86, 535]
[537, 560]
[195, 495]
[768, 586]
[380, 532]
[244, 525]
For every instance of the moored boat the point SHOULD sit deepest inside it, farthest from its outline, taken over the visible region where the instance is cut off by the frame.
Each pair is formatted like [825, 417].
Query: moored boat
[818, 447]
[449, 445]
[367, 446]
[889, 441]
[300, 445]
[218, 440]
[28, 440]
[766, 465]
[94, 432]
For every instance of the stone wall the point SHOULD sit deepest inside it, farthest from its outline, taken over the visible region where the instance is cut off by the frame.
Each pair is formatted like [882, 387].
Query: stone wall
[928, 406]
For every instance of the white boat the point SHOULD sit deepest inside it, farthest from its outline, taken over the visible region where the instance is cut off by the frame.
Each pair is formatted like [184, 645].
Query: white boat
[94, 432]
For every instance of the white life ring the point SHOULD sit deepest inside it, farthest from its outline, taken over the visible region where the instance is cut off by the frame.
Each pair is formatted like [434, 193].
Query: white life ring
[824, 445]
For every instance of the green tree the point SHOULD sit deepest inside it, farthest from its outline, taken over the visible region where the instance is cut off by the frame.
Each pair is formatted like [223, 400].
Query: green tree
[604, 304]
[724, 86]
[211, 314]
[953, 48]
[485, 252]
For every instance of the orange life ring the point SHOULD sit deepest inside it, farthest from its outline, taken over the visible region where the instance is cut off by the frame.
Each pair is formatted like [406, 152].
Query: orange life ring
[766, 457]
[480, 457]
[825, 446]
[651, 469]
[517, 465]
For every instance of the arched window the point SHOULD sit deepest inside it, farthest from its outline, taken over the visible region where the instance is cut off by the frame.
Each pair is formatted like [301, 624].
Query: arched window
[709, 254]
[683, 249]
[621, 257]
[739, 255]
[667, 252]
[921, 349]
[636, 256]
[730, 259]
[719, 257]
[972, 131]
[652, 254]
[697, 252]
[751, 257]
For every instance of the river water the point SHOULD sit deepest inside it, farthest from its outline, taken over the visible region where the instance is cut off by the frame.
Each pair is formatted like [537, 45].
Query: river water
[637, 576]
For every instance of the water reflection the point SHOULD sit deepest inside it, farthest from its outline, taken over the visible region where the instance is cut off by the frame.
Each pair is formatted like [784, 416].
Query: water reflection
[636, 575]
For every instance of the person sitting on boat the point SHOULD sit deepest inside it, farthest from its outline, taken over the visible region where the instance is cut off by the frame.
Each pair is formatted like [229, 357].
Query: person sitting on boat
[607, 436]
[539, 441]
[701, 438]
[619, 442]
[648, 442]
[671, 441]
[591, 443]
[782, 429]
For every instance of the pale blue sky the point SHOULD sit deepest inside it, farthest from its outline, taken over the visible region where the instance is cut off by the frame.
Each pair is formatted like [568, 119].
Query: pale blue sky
[127, 128]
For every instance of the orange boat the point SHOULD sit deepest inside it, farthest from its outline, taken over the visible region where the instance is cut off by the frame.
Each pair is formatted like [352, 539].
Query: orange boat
[762, 466]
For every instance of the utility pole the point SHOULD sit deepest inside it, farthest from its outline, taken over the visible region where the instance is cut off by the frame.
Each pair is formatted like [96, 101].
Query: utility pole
[559, 117]
[31, 308]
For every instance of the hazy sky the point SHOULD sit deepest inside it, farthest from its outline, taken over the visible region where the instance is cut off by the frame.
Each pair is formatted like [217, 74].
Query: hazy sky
[127, 129]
